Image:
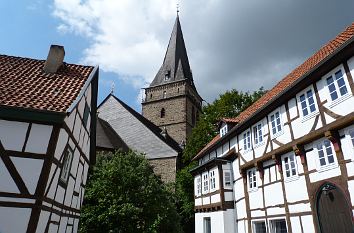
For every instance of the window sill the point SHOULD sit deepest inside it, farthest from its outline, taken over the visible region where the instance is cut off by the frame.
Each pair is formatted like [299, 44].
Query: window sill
[258, 145]
[340, 100]
[310, 116]
[277, 134]
[327, 167]
[251, 190]
[292, 178]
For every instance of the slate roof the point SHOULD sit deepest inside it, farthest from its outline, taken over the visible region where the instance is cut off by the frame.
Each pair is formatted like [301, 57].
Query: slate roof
[136, 131]
[175, 61]
[24, 84]
[107, 138]
[291, 79]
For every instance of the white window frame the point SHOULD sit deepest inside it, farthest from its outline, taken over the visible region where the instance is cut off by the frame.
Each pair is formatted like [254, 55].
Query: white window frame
[350, 140]
[299, 103]
[271, 228]
[205, 184]
[327, 166]
[276, 126]
[206, 226]
[67, 163]
[258, 221]
[198, 186]
[227, 181]
[340, 97]
[212, 182]
[252, 180]
[257, 134]
[247, 140]
[223, 130]
[291, 165]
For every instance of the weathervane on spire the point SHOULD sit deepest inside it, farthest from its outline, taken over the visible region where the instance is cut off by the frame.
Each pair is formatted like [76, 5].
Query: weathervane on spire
[112, 87]
[177, 7]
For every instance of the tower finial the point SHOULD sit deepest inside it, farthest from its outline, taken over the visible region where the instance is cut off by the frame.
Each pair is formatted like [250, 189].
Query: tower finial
[177, 8]
[112, 87]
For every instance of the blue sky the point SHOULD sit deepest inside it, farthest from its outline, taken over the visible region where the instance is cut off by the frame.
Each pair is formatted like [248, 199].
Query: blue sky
[231, 44]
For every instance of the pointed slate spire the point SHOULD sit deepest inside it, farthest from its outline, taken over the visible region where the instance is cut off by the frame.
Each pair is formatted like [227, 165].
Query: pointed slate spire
[175, 66]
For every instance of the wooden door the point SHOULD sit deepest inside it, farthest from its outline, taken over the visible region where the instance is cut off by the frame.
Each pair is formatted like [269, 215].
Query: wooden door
[333, 212]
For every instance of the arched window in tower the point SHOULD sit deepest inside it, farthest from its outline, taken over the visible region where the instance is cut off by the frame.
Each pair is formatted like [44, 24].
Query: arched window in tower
[167, 75]
[162, 113]
[193, 116]
[150, 96]
[164, 94]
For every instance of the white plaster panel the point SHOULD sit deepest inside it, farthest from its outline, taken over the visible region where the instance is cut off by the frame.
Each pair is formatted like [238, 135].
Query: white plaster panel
[74, 202]
[351, 190]
[235, 169]
[241, 209]
[255, 198]
[29, 170]
[228, 196]
[257, 213]
[247, 155]
[86, 167]
[219, 221]
[20, 200]
[275, 210]
[350, 63]
[219, 151]
[266, 176]
[76, 225]
[206, 200]
[301, 128]
[78, 178]
[239, 189]
[69, 229]
[241, 226]
[273, 194]
[54, 184]
[39, 138]
[81, 106]
[13, 134]
[55, 217]
[317, 176]
[229, 220]
[82, 134]
[14, 220]
[295, 224]
[70, 220]
[88, 94]
[75, 162]
[198, 202]
[77, 128]
[69, 120]
[350, 168]
[225, 147]
[307, 223]
[69, 191]
[7, 184]
[59, 197]
[233, 142]
[53, 228]
[273, 175]
[286, 136]
[42, 222]
[296, 190]
[62, 141]
[292, 108]
[63, 223]
[215, 198]
[298, 208]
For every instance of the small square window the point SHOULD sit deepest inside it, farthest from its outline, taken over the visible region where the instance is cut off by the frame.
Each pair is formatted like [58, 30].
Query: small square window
[307, 103]
[278, 226]
[336, 85]
[257, 134]
[227, 178]
[212, 181]
[290, 167]
[275, 121]
[259, 227]
[223, 130]
[247, 141]
[326, 156]
[65, 171]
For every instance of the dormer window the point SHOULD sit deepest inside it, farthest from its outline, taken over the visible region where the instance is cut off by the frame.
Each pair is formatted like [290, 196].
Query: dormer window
[223, 130]
[167, 75]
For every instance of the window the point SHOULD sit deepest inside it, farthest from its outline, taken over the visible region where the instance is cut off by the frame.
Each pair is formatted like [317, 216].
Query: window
[325, 153]
[247, 140]
[205, 183]
[212, 180]
[162, 113]
[351, 134]
[289, 166]
[259, 227]
[307, 103]
[275, 123]
[86, 114]
[227, 178]
[257, 134]
[150, 96]
[65, 171]
[167, 75]
[223, 130]
[207, 225]
[336, 85]
[278, 226]
[252, 179]
[199, 186]
[164, 94]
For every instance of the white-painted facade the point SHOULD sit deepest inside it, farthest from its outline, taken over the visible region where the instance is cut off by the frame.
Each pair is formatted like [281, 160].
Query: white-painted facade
[44, 167]
[284, 160]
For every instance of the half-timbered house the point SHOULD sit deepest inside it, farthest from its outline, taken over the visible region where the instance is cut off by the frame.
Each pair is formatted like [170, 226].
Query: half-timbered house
[286, 164]
[47, 141]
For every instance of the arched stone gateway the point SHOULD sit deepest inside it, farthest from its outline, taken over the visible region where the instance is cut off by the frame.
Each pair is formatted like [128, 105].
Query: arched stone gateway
[333, 210]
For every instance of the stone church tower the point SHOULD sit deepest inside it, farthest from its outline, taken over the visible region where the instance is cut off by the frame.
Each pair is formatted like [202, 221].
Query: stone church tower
[171, 101]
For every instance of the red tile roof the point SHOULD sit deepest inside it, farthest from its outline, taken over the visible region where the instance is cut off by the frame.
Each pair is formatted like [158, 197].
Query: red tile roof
[291, 78]
[24, 84]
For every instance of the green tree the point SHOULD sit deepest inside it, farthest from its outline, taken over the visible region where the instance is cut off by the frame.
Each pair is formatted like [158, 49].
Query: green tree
[123, 195]
[228, 105]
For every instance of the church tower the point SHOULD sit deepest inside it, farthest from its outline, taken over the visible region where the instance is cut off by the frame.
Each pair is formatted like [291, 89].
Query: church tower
[172, 101]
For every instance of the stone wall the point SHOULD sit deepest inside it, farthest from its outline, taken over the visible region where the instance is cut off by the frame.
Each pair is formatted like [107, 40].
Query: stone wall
[165, 168]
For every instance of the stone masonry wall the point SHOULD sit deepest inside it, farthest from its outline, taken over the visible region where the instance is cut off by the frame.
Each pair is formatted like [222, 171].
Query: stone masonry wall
[166, 168]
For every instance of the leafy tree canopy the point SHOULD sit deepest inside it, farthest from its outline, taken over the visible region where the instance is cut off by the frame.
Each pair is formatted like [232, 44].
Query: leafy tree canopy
[228, 105]
[123, 195]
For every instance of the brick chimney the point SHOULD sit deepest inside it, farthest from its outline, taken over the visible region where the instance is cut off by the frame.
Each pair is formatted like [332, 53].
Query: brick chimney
[55, 59]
